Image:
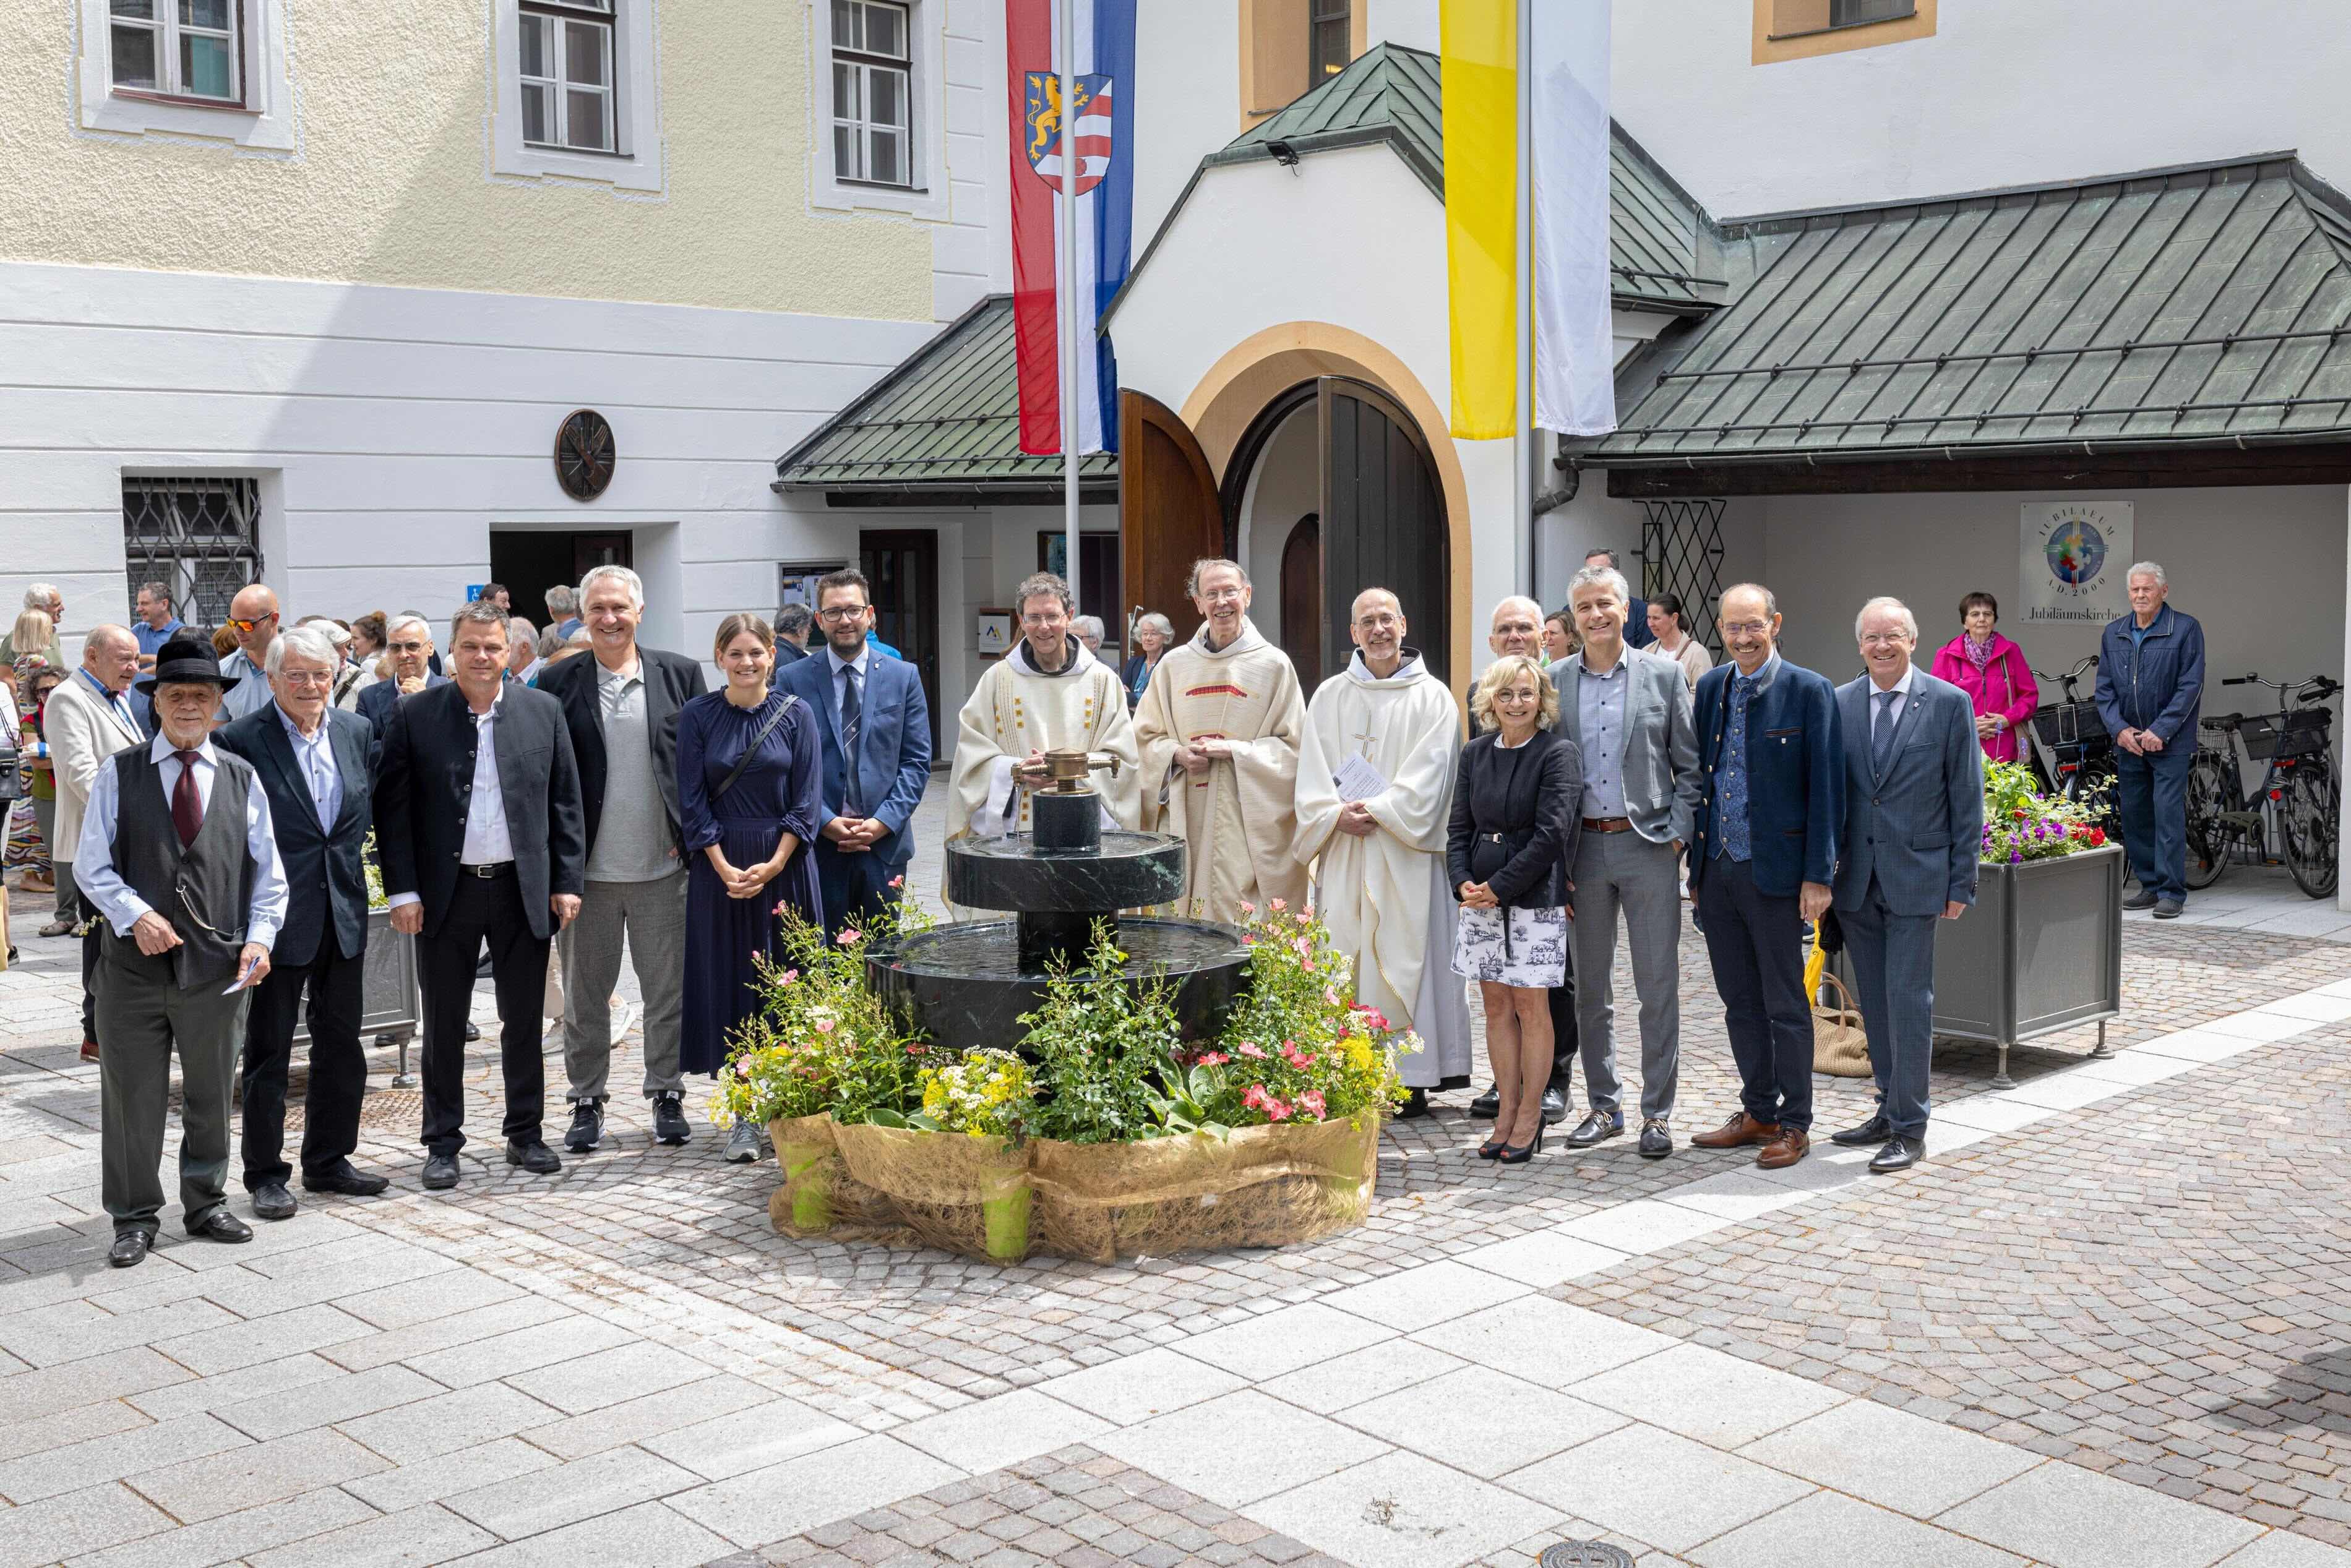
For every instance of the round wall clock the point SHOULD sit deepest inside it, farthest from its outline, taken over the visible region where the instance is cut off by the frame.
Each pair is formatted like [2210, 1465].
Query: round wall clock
[584, 455]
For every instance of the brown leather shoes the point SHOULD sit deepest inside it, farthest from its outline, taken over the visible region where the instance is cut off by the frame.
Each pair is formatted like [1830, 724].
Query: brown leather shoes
[1785, 1149]
[1740, 1130]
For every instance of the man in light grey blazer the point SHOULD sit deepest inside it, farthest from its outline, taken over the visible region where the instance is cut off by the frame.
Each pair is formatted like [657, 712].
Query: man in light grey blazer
[1913, 828]
[1629, 714]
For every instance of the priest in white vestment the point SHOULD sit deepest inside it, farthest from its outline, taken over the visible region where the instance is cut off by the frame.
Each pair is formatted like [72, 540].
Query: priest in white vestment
[1048, 694]
[1376, 773]
[1220, 730]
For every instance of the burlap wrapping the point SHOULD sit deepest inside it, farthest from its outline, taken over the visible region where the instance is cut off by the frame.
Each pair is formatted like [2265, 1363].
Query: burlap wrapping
[1263, 1186]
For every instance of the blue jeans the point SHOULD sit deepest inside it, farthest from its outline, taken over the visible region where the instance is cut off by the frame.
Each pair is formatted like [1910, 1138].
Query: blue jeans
[2153, 797]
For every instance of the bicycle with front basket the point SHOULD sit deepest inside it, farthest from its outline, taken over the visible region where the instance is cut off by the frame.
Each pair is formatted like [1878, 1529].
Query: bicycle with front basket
[2295, 804]
[2071, 748]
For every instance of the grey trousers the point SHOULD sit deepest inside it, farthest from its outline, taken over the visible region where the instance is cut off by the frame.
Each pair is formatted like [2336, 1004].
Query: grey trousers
[139, 1023]
[67, 893]
[1626, 872]
[1894, 972]
[654, 915]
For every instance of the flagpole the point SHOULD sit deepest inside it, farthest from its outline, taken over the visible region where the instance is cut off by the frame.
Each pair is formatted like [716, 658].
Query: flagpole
[1066, 259]
[1522, 442]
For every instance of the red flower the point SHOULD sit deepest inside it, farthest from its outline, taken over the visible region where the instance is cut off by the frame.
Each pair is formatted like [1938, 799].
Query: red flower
[2097, 838]
[2018, 813]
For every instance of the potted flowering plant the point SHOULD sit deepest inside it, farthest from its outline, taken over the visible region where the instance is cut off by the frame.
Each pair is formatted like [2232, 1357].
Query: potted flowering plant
[2042, 949]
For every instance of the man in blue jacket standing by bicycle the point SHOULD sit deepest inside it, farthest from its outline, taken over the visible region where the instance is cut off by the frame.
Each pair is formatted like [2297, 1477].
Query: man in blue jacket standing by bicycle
[2150, 686]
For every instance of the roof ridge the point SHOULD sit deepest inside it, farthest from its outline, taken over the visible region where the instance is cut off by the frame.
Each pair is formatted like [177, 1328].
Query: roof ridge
[1740, 227]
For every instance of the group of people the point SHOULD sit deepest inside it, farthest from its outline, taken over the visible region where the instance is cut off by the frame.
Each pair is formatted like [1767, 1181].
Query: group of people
[215, 812]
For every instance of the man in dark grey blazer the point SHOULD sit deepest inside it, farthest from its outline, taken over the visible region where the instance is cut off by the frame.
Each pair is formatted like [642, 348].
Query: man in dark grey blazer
[1629, 714]
[477, 823]
[1913, 828]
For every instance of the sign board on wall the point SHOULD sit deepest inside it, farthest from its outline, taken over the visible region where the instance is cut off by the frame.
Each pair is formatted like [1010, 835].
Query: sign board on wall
[2073, 558]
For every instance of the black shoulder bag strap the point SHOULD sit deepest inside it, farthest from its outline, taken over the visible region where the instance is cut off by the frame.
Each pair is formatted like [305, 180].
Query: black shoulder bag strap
[766, 729]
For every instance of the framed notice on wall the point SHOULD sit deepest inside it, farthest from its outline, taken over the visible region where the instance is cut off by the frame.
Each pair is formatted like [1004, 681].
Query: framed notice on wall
[2073, 558]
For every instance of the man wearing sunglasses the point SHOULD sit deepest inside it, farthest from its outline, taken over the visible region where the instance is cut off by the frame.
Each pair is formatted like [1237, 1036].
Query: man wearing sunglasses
[253, 619]
[408, 643]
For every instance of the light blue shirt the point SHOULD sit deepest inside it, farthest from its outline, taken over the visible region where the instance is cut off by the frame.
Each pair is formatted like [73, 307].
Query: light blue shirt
[94, 872]
[251, 692]
[1600, 715]
[314, 756]
[113, 700]
[151, 639]
[860, 664]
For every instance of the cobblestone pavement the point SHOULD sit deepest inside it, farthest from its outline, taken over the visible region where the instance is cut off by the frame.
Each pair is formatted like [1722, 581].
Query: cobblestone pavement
[2104, 1323]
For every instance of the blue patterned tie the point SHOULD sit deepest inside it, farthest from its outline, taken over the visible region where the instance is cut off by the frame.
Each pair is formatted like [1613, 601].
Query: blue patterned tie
[1881, 738]
[852, 709]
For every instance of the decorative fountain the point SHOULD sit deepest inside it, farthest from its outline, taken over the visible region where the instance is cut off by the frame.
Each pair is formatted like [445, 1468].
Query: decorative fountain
[967, 984]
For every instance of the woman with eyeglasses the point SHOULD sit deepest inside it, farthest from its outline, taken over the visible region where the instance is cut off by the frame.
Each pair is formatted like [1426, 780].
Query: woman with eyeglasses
[1992, 671]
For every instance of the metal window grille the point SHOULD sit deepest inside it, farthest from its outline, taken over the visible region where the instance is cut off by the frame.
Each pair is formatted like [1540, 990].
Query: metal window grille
[201, 535]
[567, 75]
[873, 92]
[1681, 554]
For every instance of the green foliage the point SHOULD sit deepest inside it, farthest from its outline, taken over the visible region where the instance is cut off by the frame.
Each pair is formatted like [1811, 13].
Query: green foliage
[1099, 1041]
[2023, 824]
[820, 1040]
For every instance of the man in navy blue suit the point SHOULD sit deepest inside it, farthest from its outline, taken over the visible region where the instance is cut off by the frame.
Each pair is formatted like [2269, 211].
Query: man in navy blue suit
[877, 753]
[408, 643]
[1762, 852]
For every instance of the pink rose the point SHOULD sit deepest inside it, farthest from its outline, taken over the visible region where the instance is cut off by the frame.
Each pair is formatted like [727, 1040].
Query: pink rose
[898, 880]
[824, 1026]
[1314, 1102]
[1248, 1048]
[1279, 906]
[1246, 907]
[850, 937]
[790, 975]
[1214, 1059]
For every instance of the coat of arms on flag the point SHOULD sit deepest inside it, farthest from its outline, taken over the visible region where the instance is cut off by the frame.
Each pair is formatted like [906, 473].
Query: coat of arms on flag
[1046, 124]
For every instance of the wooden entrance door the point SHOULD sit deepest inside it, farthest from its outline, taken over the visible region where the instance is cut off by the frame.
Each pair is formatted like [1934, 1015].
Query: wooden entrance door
[1383, 521]
[903, 566]
[1169, 515]
[1302, 599]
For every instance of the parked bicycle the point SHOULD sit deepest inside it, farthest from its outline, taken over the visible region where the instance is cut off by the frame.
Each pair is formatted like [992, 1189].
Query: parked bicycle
[2294, 805]
[2071, 751]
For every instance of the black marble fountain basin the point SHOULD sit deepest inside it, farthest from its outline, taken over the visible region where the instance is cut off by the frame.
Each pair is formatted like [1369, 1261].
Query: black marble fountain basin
[1132, 871]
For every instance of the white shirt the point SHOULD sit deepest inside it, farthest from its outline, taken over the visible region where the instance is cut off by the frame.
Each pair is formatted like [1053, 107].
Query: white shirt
[94, 871]
[487, 840]
[840, 666]
[1883, 712]
[314, 754]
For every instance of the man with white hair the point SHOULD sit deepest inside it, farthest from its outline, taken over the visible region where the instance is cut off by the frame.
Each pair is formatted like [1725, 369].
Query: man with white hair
[311, 758]
[1906, 857]
[1376, 772]
[563, 610]
[522, 657]
[2150, 694]
[621, 706]
[45, 598]
[88, 719]
[1089, 629]
[1219, 730]
[408, 645]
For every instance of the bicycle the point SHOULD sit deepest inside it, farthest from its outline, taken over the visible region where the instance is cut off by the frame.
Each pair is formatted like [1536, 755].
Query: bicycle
[2297, 796]
[2071, 751]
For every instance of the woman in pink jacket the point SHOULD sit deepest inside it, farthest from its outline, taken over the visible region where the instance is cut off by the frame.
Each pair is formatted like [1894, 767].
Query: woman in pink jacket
[1992, 670]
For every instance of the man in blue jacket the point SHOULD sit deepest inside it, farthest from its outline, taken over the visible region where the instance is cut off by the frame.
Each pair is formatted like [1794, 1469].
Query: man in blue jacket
[1762, 852]
[2150, 687]
[876, 725]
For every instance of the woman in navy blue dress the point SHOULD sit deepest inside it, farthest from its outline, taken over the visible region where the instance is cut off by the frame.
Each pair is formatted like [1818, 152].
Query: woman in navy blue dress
[748, 829]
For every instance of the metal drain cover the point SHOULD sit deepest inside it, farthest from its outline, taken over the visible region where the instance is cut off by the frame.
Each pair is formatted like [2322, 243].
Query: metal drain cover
[1584, 1554]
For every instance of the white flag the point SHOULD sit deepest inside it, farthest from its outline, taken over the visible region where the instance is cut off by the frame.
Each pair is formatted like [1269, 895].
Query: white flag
[1575, 356]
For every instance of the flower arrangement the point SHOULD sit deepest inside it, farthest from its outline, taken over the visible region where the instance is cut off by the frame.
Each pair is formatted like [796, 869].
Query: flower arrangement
[986, 1094]
[820, 1041]
[2021, 824]
[1100, 1040]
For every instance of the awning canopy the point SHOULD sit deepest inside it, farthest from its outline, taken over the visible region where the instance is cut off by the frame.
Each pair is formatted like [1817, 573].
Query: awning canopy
[2203, 305]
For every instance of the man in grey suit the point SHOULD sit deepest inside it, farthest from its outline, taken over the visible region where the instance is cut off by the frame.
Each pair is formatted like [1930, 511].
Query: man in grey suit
[1629, 714]
[1913, 826]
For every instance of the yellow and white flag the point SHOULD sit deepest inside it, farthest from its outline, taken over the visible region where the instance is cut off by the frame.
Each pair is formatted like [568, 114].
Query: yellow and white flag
[1561, 137]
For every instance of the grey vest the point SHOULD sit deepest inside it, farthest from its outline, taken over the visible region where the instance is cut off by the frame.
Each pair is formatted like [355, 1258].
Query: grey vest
[203, 891]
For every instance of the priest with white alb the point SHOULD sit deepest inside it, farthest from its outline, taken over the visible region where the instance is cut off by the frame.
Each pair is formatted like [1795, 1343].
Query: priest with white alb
[1376, 772]
[1048, 694]
[1220, 730]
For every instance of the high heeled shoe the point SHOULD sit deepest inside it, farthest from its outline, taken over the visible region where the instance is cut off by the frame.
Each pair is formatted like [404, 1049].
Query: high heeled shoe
[1520, 1153]
[1491, 1149]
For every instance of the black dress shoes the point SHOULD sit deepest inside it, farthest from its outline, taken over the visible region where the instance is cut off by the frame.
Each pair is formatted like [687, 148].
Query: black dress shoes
[1415, 1106]
[1657, 1141]
[1554, 1107]
[533, 1156]
[1898, 1155]
[220, 1225]
[272, 1202]
[473, 1031]
[1596, 1128]
[439, 1171]
[1876, 1130]
[341, 1177]
[1488, 1105]
[129, 1248]
[669, 1121]
[2168, 908]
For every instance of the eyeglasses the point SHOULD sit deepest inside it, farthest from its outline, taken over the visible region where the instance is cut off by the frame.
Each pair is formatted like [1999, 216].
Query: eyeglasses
[408, 647]
[1745, 628]
[1222, 595]
[1884, 638]
[307, 677]
[840, 613]
[239, 623]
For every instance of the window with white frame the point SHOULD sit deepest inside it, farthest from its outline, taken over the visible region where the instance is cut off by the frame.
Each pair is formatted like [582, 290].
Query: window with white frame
[180, 48]
[568, 91]
[873, 92]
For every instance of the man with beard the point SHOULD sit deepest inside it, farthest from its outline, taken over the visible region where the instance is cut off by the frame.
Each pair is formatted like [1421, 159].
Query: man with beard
[1219, 730]
[1381, 887]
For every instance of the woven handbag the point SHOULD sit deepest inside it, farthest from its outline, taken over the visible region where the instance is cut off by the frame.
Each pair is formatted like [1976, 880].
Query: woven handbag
[1840, 1047]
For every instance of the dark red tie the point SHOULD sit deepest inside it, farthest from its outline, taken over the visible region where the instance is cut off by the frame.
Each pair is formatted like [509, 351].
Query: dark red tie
[187, 807]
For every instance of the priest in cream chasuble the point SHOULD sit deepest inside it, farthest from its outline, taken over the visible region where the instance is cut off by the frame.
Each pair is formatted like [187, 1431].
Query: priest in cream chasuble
[1376, 772]
[1048, 694]
[1220, 730]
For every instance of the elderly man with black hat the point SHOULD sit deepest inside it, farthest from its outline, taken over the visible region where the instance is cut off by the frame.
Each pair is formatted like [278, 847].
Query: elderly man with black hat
[178, 856]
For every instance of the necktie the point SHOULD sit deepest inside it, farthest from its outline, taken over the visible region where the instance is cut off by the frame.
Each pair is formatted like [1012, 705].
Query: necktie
[1881, 737]
[187, 805]
[852, 709]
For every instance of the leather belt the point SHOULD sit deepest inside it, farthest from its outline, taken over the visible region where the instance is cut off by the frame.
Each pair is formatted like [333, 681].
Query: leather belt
[488, 871]
[1607, 824]
[1492, 838]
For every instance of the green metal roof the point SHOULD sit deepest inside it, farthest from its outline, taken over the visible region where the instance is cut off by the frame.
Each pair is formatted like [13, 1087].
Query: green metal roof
[1392, 95]
[947, 418]
[2183, 306]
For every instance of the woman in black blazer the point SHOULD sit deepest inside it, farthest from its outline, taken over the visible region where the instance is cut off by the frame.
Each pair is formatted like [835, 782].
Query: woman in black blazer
[1516, 812]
